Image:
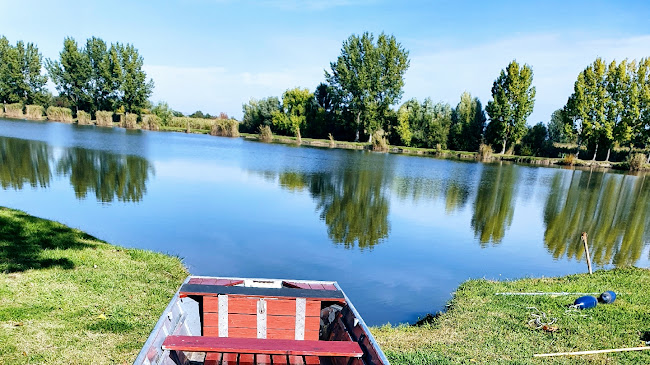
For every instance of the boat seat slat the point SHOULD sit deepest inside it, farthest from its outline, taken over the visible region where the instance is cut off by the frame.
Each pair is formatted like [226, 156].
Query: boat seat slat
[263, 346]
[321, 294]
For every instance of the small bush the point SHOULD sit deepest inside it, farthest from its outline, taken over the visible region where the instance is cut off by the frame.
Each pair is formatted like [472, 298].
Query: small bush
[484, 152]
[58, 114]
[569, 159]
[331, 138]
[14, 110]
[83, 118]
[151, 122]
[379, 142]
[636, 161]
[34, 112]
[265, 134]
[104, 118]
[130, 121]
[225, 128]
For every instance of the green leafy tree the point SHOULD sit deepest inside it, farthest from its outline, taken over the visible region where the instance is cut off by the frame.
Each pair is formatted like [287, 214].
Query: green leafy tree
[556, 131]
[513, 99]
[293, 115]
[164, 112]
[428, 123]
[586, 107]
[259, 113]
[71, 75]
[535, 141]
[467, 124]
[21, 80]
[134, 87]
[369, 78]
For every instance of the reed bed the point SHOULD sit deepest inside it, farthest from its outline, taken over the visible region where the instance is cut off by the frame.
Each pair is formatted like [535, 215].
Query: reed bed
[58, 114]
[265, 134]
[14, 110]
[151, 122]
[104, 118]
[192, 123]
[225, 128]
[83, 118]
[130, 121]
[34, 112]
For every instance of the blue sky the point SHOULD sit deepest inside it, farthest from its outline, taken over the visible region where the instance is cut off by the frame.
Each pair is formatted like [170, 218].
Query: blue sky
[214, 55]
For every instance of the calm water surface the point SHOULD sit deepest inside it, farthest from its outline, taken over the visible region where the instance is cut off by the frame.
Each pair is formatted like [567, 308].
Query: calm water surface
[398, 233]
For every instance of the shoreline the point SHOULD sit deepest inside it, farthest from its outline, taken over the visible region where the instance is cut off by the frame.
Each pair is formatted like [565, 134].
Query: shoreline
[68, 297]
[399, 150]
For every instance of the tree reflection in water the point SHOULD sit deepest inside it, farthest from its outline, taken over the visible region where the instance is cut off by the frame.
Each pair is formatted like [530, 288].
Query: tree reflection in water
[24, 162]
[494, 203]
[612, 209]
[110, 176]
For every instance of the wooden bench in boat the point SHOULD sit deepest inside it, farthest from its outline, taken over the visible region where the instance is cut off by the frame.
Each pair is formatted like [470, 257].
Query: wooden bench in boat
[263, 346]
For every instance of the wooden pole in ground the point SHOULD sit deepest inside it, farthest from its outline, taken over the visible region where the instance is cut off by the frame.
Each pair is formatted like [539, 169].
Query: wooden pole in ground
[584, 240]
[593, 352]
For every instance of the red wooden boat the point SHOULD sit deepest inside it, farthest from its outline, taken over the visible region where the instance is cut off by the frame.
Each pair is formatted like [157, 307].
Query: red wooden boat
[236, 321]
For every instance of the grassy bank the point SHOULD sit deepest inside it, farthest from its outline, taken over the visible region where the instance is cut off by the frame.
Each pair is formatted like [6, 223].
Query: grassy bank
[69, 298]
[481, 327]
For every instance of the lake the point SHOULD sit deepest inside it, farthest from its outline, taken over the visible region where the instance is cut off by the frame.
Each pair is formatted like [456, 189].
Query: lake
[399, 233]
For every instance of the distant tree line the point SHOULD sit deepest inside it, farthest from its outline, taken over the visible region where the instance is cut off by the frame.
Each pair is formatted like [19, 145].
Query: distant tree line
[362, 89]
[359, 100]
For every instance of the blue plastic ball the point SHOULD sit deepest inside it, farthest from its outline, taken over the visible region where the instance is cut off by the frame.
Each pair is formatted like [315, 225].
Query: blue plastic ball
[607, 297]
[586, 302]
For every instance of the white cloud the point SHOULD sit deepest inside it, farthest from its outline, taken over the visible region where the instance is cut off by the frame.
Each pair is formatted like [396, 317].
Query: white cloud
[556, 60]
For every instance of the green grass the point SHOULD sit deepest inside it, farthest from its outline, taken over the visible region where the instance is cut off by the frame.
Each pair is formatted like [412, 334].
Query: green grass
[69, 298]
[480, 327]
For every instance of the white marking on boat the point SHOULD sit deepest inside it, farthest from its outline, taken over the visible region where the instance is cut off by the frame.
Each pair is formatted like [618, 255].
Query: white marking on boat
[301, 306]
[261, 318]
[223, 315]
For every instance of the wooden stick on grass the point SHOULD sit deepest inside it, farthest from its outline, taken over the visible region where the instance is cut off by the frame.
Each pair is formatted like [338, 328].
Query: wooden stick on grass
[584, 240]
[593, 351]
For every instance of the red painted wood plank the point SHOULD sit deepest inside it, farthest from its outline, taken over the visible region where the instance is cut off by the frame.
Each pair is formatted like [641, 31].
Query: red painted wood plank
[263, 359]
[311, 335]
[228, 282]
[262, 346]
[246, 359]
[211, 331]
[296, 360]
[329, 287]
[229, 359]
[280, 334]
[242, 305]
[281, 307]
[312, 308]
[210, 304]
[209, 281]
[281, 322]
[312, 324]
[212, 358]
[292, 284]
[210, 319]
[316, 286]
[242, 320]
[312, 360]
[280, 360]
[195, 281]
[237, 332]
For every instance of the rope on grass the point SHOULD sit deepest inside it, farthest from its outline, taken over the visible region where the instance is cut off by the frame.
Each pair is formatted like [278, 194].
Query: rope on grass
[539, 319]
[574, 310]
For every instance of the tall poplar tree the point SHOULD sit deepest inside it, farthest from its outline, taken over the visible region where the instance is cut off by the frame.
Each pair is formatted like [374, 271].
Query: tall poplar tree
[467, 124]
[71, 74]
[369, 78]
[21, 80]
[513, 99]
